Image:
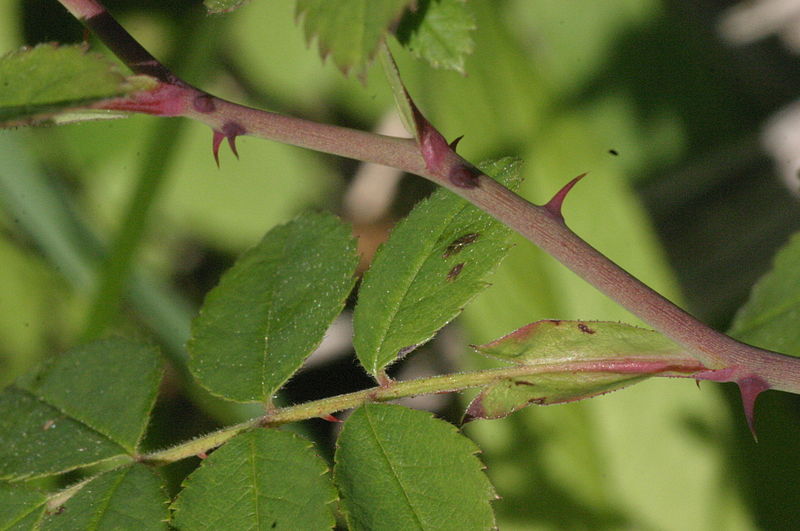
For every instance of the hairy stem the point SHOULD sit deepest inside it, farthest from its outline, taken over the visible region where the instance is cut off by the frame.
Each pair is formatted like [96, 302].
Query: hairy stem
[448, 383]
[541, 225]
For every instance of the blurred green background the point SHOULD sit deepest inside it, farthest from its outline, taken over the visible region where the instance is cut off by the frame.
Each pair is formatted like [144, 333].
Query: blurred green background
[642, 94]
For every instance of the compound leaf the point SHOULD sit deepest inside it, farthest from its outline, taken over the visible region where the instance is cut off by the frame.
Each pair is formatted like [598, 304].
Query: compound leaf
[263, 479]
[272, 308]
[770, 317]
[109, 385]
[435, 261]
[577, 360]
[398, 468]
[38, 83]
[350, 30]
[440, 32]
[128, 498]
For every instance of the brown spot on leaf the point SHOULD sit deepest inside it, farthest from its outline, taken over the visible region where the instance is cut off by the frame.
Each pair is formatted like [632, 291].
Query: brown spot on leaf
[522, 382]
[455, 271]
[585, 329]
[458, 244]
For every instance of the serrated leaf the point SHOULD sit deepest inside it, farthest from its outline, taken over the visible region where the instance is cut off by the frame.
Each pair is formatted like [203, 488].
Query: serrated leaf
[109, 385]
[435, 261]
[129, 498]
[20, 507]
[568, 352]
[37, 439]
[261, 480]
[272, 308]
[398, 468]
[403, 103]
[349, 30]
[37, 83]
[440, 32]
[771, 316]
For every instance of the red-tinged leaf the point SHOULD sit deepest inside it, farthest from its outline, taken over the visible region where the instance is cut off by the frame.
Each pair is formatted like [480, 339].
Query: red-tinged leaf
[573, 360]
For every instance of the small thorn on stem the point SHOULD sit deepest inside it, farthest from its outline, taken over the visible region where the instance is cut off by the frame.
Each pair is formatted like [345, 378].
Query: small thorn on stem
[750, 387]
[330, 418]
[215, 142]
[554, 205]
[455, 142]
[230, 131]
[202, 455]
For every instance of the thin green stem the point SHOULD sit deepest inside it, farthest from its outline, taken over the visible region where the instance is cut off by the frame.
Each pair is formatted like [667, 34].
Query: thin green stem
[447, 383]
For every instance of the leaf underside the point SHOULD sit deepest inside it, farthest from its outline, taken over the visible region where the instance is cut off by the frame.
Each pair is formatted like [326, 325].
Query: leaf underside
[398, 468]
[440, 32]
[272, 308]
[434, 262]
[39, 83]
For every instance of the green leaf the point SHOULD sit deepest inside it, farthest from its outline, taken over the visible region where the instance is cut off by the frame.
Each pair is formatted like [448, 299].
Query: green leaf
[223, 6]
[435, 261]
[37, 439]
[263, 479]
[349, 30]
[398, 468]
[108, 385]
[39, 82]
[566, 350]
[272, 308]
[770, 317]
[128, 498]
[20, 507]
[439, 31]
[403, 103]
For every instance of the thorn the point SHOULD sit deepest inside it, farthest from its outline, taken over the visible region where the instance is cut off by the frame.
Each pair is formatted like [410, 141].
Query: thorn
[330, 418]
[554, 205]
[202, 455]
[750, 387]
[455, 142]
[215, 142]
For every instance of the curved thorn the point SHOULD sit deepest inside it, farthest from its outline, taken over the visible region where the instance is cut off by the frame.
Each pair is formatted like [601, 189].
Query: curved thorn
[215, 143]
[750, 387]
[554, 205]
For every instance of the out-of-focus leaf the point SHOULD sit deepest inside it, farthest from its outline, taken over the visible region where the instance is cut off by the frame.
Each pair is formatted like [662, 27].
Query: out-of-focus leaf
[771, 318]
[398, 468]
[36, 83]
[439, 31]
[261, 480]
[20, 507]
[37, 439]
[402, 100]
[109, 385]
[223, 6]
[129, 498]
[271, 309]
[575, 345]
[349, 30]
[435, 261]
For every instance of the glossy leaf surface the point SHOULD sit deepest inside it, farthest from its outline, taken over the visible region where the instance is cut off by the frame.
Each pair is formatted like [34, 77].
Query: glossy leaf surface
[399, 468]
[263, 479]
[435, 261]
[271, 309]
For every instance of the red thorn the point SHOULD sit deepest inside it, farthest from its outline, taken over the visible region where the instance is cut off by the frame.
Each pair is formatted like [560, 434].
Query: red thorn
[455, 142]
[554, 205]
[330, 418]
[202, 455]
[750, 387]
[232, 144]
[215, 142]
